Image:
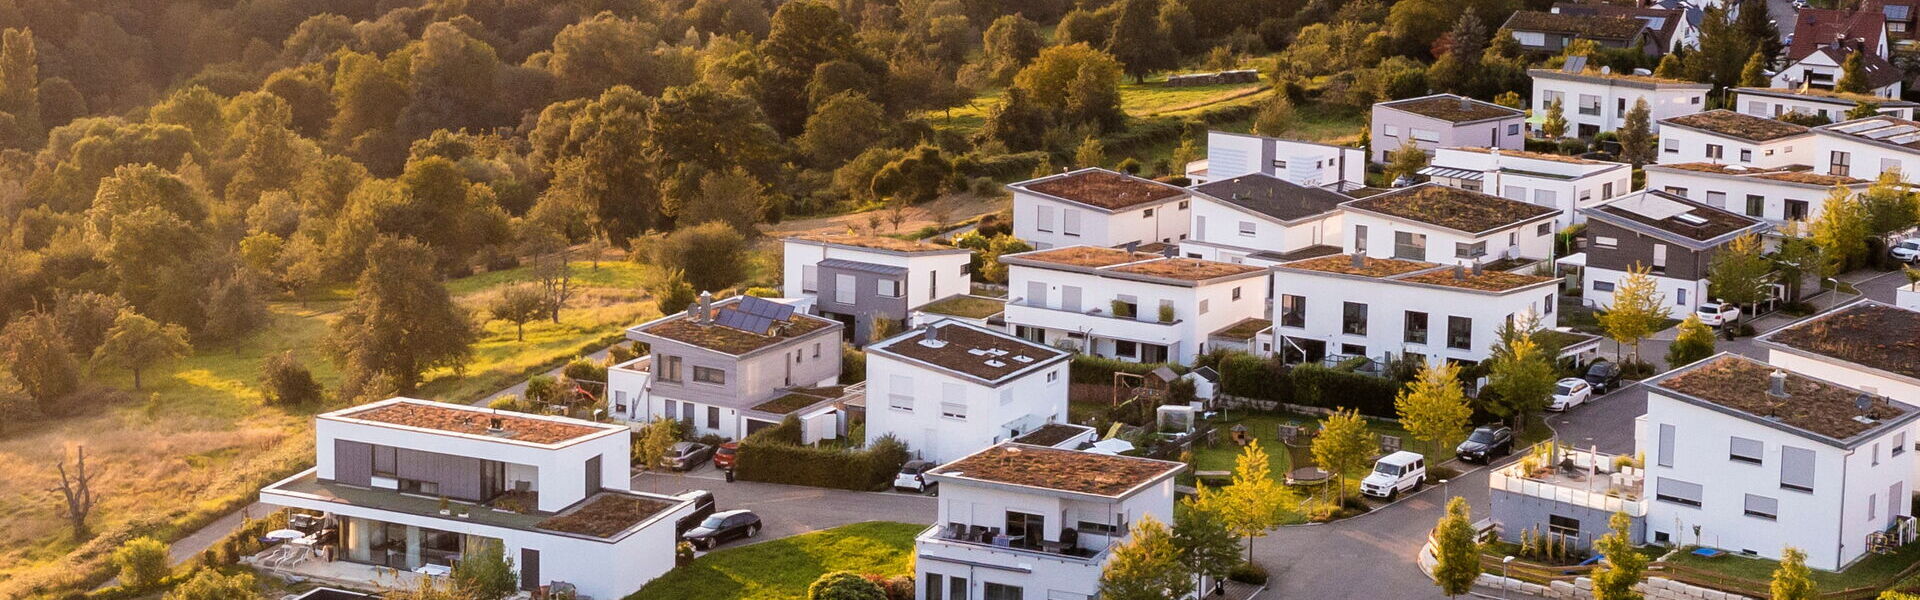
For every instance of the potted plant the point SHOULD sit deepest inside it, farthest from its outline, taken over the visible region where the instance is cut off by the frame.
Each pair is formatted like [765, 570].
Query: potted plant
[1166, 313]
[446, 507]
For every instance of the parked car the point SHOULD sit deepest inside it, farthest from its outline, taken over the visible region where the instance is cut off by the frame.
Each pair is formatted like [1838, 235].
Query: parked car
[1907, 251]
[1715, 314]
[1486, 442]
[1570, 392]
[913, 476]
[686, 455]
[723, 456]
[722, 527]
[1394, 473]
[702, 508]
[1404, 181]
[1603, 375]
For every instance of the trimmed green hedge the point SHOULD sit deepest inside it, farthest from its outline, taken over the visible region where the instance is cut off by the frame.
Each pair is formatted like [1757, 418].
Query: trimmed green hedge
[1088, 368]
[775, 455]
[1259, 378]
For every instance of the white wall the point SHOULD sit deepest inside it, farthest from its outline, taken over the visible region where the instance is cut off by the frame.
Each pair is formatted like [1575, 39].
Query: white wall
[1562, 185]
[924, 270]
[1048, 577]
[1183, 337]
[1387, 303]
[1307, 164]
[1683, 145]
[1731, 192]
[1868, 160]
[1680, 295]
[1441, 243]
[631, 387]
[1834, 110]
[561, 470]
[1218, 225]
[1819, 69]
[1169, 222]
[1032, 399]
[1661, 104]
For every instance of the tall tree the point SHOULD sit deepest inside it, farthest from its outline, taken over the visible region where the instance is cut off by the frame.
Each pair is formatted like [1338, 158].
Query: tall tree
[1433, 408]
[1146, 566]
[1136, 41]
[1638, 144]
[1343, 446]
[1722, 52]
[1407, 160]
[1456, 551]
[1208, 547]
[1755, 23]
[1555, 124]
[1796, 258]
[1853, 75]
[1637, 310]
[1889, 206]
[37, 355]
[136, 342]
[1740, 273]
[1754, 74]
[803, 35]
[1615, 578]
[604, 51]
[1694, 342]
[1010, 43]
[1253, 504]
[842, 127]
[400, 323]
[1075, 83]
[452, 77]
[1521, 376]
[1841, 232]
[20, 82]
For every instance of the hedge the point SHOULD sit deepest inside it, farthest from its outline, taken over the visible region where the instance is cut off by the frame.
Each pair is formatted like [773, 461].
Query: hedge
[1088, 368]
[775, 455]
[1260, 378]
[1018, 165]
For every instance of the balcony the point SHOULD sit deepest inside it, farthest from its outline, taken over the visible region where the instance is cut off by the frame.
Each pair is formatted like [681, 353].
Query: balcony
[1575, 477]
[1097, 320]
[980, 544]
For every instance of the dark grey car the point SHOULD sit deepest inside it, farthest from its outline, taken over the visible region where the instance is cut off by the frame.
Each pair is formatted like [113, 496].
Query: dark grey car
[686, 455]
[1603, 376]
[1485, 443]
[721, 527]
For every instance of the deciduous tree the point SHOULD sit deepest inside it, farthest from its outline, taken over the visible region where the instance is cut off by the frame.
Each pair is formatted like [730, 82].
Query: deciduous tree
[1521, 377]
[1555, 124]
[1456, 551]
[1638, 144]
[1792, 580]
[1433, 408]
[843, 126]
[1616, 576]
[286, 382]
[77, 497]
[1208, 547]
[1740, 273]
[1136, 39]
[1276, 115]
[519, 304]
[1254, 503]
[1841, 232]
[1694, 342]
[1344, 445]
[20, 83]
[1146, 566]
[844, 585]
[400, 323]
[1637, 310]
[142, 562]
[654, 441]
[136, 342]
[1407, 161]
[1853, 76]
[485, 573]
[1076, 83]
[1010, 43]
[37, 355]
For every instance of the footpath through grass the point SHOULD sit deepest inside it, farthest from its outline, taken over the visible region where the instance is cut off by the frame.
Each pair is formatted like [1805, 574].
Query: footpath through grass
[781, 569]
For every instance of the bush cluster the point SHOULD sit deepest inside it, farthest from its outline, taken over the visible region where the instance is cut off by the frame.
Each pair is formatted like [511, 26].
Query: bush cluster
[1099, 370]
[776, 455]
[1307, 385]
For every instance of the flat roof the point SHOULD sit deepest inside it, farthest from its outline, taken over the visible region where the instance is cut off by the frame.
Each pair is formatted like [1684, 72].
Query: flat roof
[966, 305]
[605, 516]
[1795, 173]
[472, 421]
[1072, 471]
[1453, 108]
[1188, 269]
[799, 398]
[1674, 218]
[1827, 96]
[1737, 125]
[984, 355]
[685, 328]
[1417, 272]
[1867, 333]
[1140, 266]
[1614, 27]
[1813, 408]
[1102, 188]
[1592, 75]
[1272, 196]
[1092, 257]
[1052, 434]
[1879, 129]
[1559, 158]
[1452, 208]
[874, 242]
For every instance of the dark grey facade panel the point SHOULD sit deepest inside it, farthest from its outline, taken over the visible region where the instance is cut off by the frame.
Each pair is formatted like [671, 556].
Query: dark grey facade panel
[457, 476]
[353, 463]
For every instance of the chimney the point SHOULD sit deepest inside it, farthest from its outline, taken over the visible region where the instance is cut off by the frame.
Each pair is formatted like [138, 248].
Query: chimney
[1465, 104]
[495, 424]
[1359, 260]
[706, 308]
[1459, 273]
[1777, 384]
[932, 334]
[1132, 247]
[1477, 270]
[1167, 252]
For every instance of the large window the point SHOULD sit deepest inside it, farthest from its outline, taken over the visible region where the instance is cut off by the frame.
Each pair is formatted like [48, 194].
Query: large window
[1353, 318]
[1293, 310]
[1756, 205]
[1001, 591]
[1466, 250]
[1796, 210]
[845, 288]
[888, 288]
[1840, 163]
[809, 278]
[1589, 104]
[1676, 491]
[1715, 151]
[1763, 507]
[710, 375]
[1043, 218]
[1459, 333]
[1360, 239]
[1796, 469]
[1416, 327]
[1409, 246]
[900, 393]
[713, 417]
[670, 369]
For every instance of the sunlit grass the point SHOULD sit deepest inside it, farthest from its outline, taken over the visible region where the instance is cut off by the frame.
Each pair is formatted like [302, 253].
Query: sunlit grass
[781, 569]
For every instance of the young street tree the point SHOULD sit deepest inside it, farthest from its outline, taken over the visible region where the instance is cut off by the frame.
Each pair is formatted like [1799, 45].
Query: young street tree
[1555, 124]
[1253, 504]
[401, 322]
[1407, 160]
[1433, 408]
[518, 305]
[1521, 378]
[1208, 548]
[1343, 446]
[136, 342]
[1456, 552]
[1637, 141]
[1694, 343]
[1145, 567]
[1792, 580]
[1638, 308]
[1740, 273]
[1615, 578]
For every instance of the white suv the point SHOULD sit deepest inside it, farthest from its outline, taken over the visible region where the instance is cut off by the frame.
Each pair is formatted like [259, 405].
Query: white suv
[1394, 473]
[1907, 251]
[1715, 314]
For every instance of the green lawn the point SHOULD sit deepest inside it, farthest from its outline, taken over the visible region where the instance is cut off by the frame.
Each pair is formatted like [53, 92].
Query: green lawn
[1265, 427]
[782, 569]
[1877, 570]
[1150, 99]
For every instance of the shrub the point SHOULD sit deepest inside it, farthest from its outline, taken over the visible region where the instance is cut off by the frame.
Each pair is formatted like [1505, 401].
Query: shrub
[762, 292]
[1087, 368]
[774, 455]
[620, 353]
[1572, 146]
[1248, 573]
[512, 402]
[1314, 385]
[286, 382]
[711, 255]
[142, 562]
[208, 584]
[1001, 166]
[582, 369]
[844, 585]
[1250, 376]
[853, 365]
[543, 389]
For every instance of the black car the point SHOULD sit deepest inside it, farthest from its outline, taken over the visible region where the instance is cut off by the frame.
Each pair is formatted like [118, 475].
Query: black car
[722, 527]
[1603, 376]
[702, 508]
[1485, 443]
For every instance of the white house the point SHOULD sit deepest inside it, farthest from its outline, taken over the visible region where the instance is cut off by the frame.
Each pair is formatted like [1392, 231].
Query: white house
[1865, 148]
[1722, 136]
[1098, 207]
[1443, 121]
[1841, 345]
[1672, 237]
[1820, 70]
[1261, 220]
[1557, 181]
[731, 367]
[1019, 521]
[551, 492]
[855, 279]
[1827, 104]
[1301, 163]
[1597, 100]
[1745, 457]
[1128, 305]
[1351, 305]
[1777, 195]
[1436, 223]
[949, 389]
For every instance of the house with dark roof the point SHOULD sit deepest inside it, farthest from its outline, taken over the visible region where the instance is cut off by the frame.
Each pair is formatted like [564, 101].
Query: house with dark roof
[1596, 100]
[1900, 16]
[949, 388]
[1095, 206]
[1822, 39]
[1821, 70]
[1672, 236]
[1260, 220]
[1668, 27]
[1558, 181]
[1551, 32]
[1444, 121]
[1435, 223]
[1826, 104]
[1728, 137]
[1133, 306]
[856, 279]
[727, 367]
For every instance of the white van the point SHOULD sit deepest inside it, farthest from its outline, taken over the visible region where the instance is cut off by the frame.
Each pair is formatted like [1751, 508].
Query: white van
[1394, 473]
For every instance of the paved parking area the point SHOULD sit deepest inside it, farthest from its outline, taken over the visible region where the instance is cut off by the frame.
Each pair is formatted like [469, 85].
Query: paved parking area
[788, 510]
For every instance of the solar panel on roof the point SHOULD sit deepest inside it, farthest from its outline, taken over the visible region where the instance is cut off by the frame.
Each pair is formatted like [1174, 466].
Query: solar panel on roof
[735, 319]
[1861, 126]
[1575, 64]
[1906, 138]
[766, 308]
[1887, 132]
[1690, 219]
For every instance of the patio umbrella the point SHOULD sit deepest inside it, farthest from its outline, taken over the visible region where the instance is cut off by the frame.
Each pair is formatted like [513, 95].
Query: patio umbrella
[285, 534]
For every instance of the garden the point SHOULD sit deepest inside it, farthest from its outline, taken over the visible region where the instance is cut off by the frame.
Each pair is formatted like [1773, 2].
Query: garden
[782, 569]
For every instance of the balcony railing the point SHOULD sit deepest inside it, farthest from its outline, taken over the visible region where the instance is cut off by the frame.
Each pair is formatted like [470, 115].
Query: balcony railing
[971, 538]
[1580, 478]
[1093, 312]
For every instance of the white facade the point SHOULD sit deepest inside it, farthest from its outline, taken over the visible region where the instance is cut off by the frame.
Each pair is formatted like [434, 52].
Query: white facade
[1755, 486]
[1774, 102]
[1072, 307]
[1680, 295]
[1228, 233]
[1376, 235]
[1821, 70]
[1301, 163]
[1313, 308]
[562, 474]
[1840, 149]
[1893, 385]
[1681, 144]
[961, 568]
[930, 274]
[1561, 182]
[1047, 220]
[1594, 103]
[1776, 196]
[942, 413]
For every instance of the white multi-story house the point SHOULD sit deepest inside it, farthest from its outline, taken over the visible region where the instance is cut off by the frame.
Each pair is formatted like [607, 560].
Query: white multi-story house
[1436, 223]
[1027, 522]
[1597, 100]
[1128, 305]
[413, 486]
[1444, 121]
[1777, 195]
[1827, 104]
[1351, 305]
[730, 367]
[1844, 345]
[1301, 163]
[1821, 70]
[855, 279]
[1745, 457]
[1098, 207]
[949, 389]
[1865, 148]
[1722, 136]
[1564, 183]
[1261, 220]
[1674, 238]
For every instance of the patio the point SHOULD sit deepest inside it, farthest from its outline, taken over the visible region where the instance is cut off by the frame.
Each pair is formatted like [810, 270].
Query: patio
[282, 562]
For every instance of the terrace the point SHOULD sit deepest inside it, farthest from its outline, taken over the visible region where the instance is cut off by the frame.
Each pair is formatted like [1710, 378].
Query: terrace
[1060, 470]
[1574, 477]
[1365, 266]
[1486, 281]
[800, 398]
[1185, 269]
[966, 306]
[1454, 109]
[465, 420]
[1738, 125]
[1091, 257]
[1422, 273]
[688, 328]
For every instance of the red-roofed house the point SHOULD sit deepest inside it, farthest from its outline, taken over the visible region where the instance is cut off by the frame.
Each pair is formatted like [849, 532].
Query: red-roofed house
[1823, 39]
